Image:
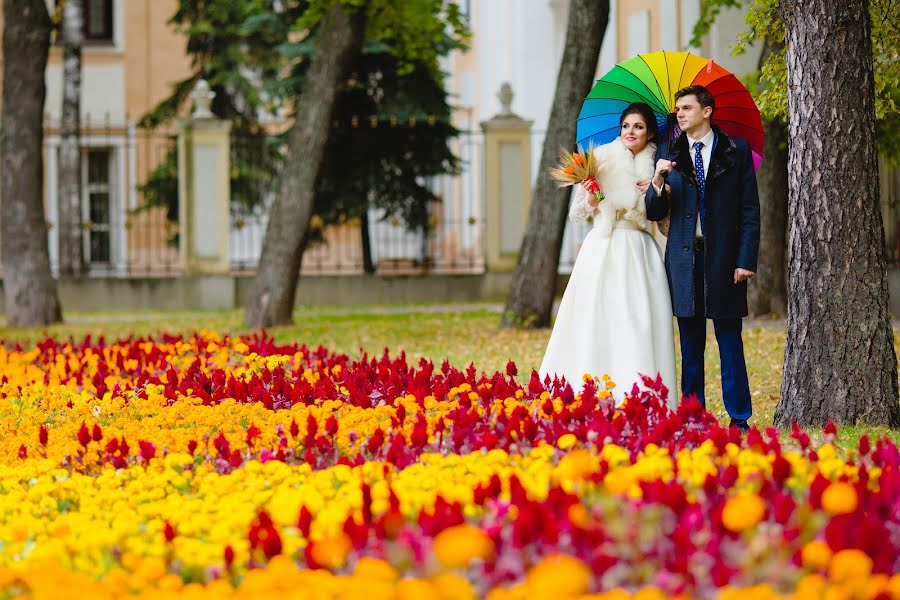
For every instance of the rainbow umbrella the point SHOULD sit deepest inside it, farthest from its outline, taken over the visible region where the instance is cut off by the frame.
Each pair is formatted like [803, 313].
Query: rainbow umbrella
[653, 79]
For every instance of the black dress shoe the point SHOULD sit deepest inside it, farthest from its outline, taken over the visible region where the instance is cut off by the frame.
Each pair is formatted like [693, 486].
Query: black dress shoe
[741, 424]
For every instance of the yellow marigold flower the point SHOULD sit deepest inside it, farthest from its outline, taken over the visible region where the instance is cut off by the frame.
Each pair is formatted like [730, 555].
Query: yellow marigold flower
[453, 587]
[414, 589]
[816, 555]
[848, 565]
[650, 594]
[457, 546]
[742, 512]
[566, 441]
[810, 586]
[558, 576]
[576, 465]
[840, 498]
[332, 551]
[375, 568]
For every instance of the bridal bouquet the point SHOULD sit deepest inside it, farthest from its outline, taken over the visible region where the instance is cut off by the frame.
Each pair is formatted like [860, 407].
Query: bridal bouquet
[577, 167]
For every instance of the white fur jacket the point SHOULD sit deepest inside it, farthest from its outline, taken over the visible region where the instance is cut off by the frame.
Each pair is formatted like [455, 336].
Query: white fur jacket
[620, 171]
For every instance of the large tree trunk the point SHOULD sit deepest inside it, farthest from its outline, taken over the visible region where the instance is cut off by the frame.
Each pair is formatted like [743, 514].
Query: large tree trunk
[767, 292]
[71, 253]
[29, 287]
[339, 40]
[534, 280]
[840, 361]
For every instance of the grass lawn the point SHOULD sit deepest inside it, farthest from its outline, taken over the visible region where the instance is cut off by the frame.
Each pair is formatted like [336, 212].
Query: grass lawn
[463, 334]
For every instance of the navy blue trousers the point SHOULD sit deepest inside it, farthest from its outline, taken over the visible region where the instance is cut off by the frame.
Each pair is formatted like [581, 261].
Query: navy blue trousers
[735, 386]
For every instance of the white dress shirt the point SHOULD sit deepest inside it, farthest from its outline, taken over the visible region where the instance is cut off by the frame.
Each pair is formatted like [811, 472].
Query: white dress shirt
[706, 155]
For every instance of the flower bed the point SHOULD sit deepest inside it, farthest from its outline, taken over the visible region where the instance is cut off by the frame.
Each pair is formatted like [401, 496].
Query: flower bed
[236, 467]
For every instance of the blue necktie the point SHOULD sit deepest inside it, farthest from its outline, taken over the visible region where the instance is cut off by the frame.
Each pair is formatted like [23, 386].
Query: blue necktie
[701, 182]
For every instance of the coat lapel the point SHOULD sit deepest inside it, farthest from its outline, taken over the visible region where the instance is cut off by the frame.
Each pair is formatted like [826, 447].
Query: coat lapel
[722, 157]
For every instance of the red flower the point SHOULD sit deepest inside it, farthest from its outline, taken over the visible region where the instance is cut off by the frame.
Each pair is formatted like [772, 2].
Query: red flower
[304, 521]
[43, 434]
[294, 429]
[511, 369]
[252, 433]
[23, 451]
[168, 532]
[96, 433]
[864, 446]
[228, 555]
[830, 428]
[148, 450]
[192, 446]
[84, 436]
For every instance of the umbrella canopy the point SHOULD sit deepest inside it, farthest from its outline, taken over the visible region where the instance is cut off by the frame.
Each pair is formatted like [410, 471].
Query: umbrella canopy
[653, 79]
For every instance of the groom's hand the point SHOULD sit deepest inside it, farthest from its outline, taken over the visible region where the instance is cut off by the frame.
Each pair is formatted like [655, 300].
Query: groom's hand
[742, 275]
[662, 166]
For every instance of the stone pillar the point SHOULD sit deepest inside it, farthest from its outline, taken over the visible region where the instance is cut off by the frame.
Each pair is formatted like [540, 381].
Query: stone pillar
[204, 187]
[507, 178]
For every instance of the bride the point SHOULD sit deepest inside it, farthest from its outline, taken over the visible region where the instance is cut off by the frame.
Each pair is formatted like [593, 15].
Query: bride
[615, 317]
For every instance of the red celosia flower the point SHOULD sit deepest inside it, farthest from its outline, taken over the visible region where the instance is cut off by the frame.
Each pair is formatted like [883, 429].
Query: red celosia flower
[294, 429]
[168, 532]
[304, 521]
[830, 428]
[23, 451]
[148, 450]
[84, 436]
[96, 433]
[192, 446]
[228, 556]
[511, 369]
[252, 433]
[42, 435]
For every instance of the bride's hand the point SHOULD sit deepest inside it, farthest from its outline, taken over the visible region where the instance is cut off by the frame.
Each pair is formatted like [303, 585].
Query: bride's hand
[643, 185]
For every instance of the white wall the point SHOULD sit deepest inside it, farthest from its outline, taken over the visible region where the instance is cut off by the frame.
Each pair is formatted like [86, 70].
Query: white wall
[102, 93]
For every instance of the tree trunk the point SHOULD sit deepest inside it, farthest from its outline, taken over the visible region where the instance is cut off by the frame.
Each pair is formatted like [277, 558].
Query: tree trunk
[339, 40]
[534, 280]
[366, 240]
[71, 249]
[767, 291]
[29, 287]
[839, 362]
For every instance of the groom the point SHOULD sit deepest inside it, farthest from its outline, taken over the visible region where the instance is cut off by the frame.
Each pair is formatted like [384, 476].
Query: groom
[708, 188]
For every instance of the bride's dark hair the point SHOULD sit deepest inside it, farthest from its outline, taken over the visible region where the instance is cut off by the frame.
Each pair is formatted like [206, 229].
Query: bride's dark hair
[639, 108]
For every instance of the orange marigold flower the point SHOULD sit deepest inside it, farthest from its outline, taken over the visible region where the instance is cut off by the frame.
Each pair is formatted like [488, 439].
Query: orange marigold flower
[459, 545]
[743, 512]
[840, 498]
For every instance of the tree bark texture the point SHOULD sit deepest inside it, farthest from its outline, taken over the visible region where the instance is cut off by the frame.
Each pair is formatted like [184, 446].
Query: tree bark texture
[29, 287]
[339, 40]
[71, 249]
[839, 362]
[534, 281]
[767, 291]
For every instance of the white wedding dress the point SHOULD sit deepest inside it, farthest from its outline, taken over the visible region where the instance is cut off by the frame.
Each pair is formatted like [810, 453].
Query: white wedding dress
[615, 317]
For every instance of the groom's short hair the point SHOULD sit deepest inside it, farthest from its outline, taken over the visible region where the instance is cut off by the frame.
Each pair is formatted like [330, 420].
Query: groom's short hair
[704, 97]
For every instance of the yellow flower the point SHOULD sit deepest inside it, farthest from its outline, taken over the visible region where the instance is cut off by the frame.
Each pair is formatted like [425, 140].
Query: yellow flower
[374, 568]
[453, 587]
[816, 555]
[576, 465]
[742, 512]
[566, 441]
[558, 576]
[332, 551]
[840, 498]
[849, 565]
[457, 546]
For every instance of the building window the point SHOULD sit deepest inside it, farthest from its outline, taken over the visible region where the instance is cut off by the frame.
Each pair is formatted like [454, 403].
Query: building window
[97, 204]
[98, 21]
